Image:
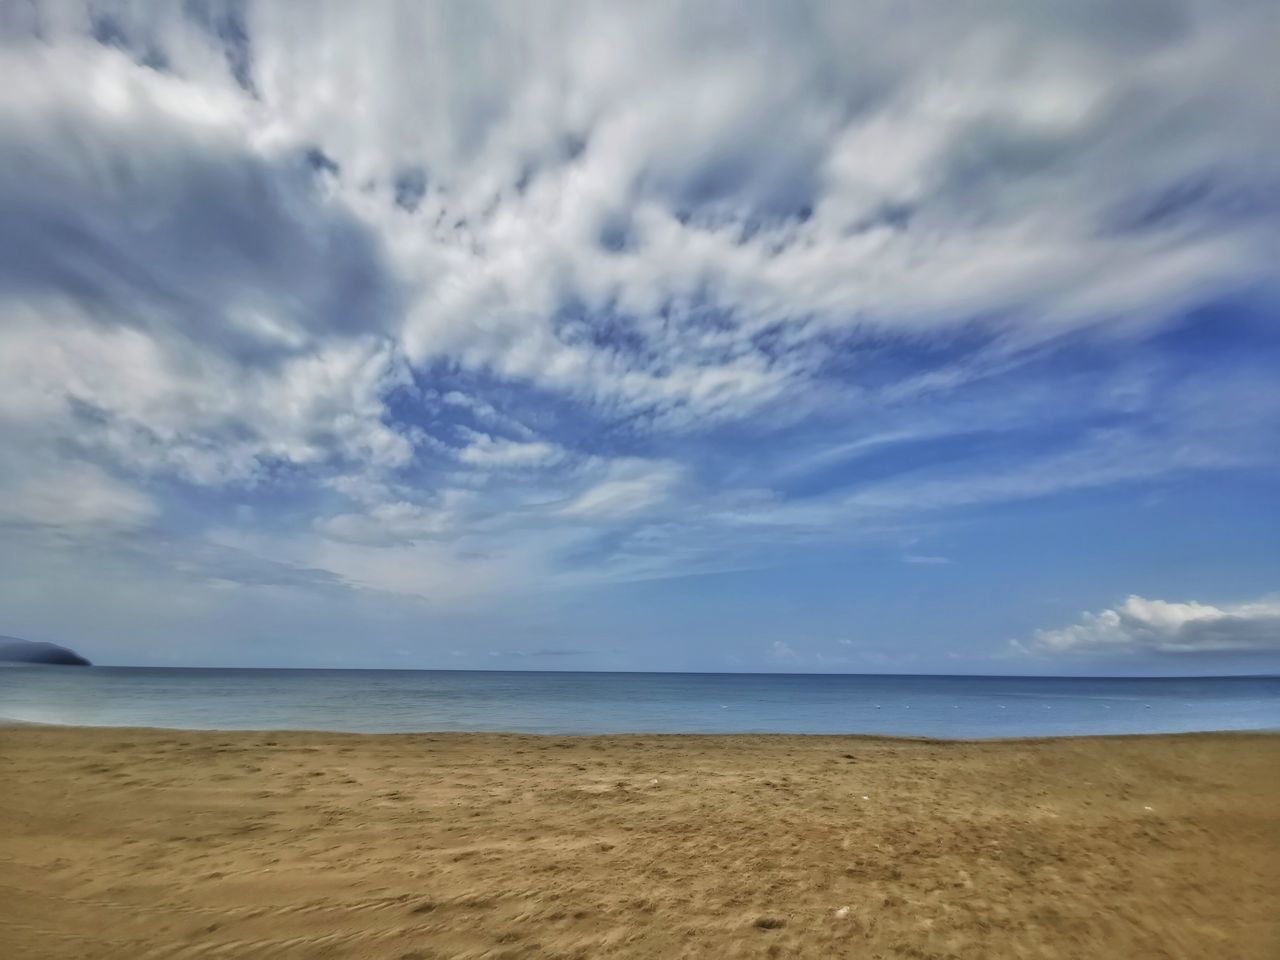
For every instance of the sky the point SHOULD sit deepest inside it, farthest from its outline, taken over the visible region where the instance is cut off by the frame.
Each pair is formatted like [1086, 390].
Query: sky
[807, 337]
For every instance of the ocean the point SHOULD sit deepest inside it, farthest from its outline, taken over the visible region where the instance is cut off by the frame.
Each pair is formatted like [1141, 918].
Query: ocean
[388, 701]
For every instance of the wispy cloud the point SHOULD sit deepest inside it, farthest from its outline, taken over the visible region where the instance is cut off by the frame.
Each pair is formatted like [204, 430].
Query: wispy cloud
[593, 294]
[783, 652]
[630, 486]
[925, 559]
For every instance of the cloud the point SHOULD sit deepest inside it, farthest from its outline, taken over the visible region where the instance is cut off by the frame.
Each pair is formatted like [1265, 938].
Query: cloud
[485, 451]
[390, 522]
[546, 652]
[588, 292]
[643, 210]
[177, 298]
[630, 486]
[783, 652]
[1140, 625]
[925, 559]
[74, 498]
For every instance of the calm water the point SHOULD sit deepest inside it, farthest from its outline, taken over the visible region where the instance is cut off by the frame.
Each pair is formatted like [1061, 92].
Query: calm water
[397, 701]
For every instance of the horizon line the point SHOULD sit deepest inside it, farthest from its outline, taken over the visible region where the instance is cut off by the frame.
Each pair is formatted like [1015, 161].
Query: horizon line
[713, 673]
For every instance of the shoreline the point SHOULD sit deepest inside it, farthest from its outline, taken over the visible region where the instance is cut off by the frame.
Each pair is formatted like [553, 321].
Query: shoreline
[127, 842]
[10, 722]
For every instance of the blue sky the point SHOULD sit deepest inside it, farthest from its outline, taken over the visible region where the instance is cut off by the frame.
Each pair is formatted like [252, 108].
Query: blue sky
[591, 336]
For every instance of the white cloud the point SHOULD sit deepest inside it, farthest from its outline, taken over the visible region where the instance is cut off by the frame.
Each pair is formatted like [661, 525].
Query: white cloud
[72, 498]
[704, 180]
[487, 452]
[162, 404]
[802, 170]
[468, 325]
[1140, 625]
[783, 652]
[390, 522]
[925, 559]
[630, 487]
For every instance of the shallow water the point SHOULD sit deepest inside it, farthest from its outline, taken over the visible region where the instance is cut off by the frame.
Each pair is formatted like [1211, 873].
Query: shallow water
[583, 703]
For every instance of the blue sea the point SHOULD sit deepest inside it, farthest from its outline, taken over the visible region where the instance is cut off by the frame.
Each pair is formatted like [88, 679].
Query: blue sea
[378, 701]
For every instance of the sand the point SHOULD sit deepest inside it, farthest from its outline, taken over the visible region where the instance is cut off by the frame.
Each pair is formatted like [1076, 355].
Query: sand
[150, 844]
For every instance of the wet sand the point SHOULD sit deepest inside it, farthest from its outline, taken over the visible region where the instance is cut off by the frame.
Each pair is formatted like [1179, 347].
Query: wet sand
[150, 844]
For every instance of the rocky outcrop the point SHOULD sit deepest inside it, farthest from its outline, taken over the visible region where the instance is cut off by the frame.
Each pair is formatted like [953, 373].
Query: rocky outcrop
[14, 650]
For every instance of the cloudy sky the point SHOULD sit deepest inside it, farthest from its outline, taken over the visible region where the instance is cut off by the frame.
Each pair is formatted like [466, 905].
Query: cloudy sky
[834, 337]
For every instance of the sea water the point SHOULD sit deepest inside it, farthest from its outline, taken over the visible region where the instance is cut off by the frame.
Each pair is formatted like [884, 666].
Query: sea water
[589, 703]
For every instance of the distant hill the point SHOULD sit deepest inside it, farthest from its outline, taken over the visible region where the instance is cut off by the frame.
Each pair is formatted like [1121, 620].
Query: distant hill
[14, 650]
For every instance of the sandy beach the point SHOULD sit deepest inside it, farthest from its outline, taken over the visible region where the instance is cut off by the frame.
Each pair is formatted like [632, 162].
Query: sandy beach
[151, 844]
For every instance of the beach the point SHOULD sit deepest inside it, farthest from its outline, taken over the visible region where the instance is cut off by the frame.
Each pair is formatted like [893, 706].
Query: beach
[138, 843]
